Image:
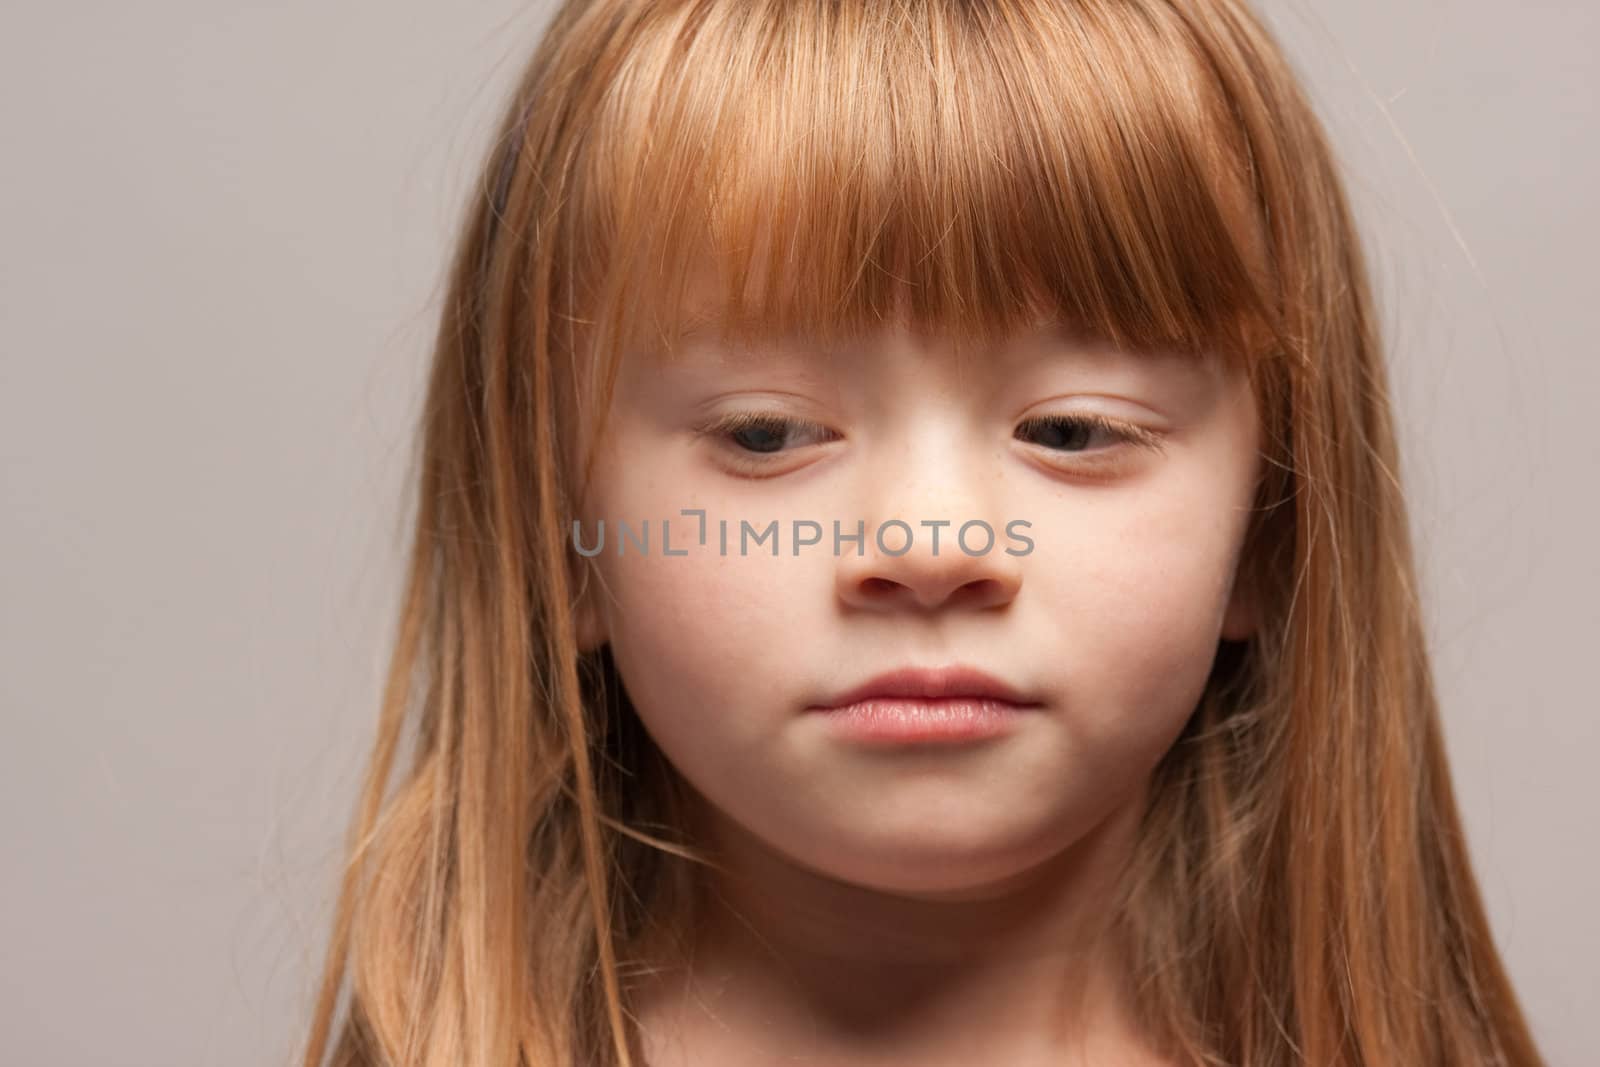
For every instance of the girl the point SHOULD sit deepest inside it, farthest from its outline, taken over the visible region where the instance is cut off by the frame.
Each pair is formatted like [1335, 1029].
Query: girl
[1155, 776]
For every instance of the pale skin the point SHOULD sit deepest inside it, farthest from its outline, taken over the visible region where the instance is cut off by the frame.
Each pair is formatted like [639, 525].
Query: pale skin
[928, 906]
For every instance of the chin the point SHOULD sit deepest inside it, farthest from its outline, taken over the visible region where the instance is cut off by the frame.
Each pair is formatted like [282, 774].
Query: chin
[931, 866]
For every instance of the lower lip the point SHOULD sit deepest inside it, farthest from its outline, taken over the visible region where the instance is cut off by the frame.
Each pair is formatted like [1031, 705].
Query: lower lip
[912, 721]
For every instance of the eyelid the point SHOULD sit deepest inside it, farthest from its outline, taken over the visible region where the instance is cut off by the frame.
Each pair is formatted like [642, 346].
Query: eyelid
[1099, 464]
[725, 425]
[1129, 432]
[722, 427]
[739, 420]
[1123, 433]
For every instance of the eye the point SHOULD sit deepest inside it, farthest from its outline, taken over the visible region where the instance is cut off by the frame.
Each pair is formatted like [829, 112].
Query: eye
[1070, 435]
[754, 439]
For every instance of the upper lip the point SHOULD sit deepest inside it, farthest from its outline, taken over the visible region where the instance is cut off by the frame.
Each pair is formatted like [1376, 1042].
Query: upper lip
[958, 680]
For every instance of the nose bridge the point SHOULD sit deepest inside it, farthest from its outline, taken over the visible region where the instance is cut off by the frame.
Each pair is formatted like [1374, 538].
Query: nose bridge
[932, 473]
[931, 530]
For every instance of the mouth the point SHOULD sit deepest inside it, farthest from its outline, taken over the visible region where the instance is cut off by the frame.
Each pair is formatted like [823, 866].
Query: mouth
[941, 705]
[931, 683]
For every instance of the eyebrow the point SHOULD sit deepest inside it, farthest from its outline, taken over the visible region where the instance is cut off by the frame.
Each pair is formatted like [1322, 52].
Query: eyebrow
[1061, 335]
[697, 339]
[696, 325]
[700, 324]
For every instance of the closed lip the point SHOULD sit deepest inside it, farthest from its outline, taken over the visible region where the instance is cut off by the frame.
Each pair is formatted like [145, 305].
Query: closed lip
[930, 683]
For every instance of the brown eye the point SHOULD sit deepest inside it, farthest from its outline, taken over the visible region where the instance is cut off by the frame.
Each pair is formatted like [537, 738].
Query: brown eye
[1071, 433]
[753, 439]
[763, 435]
[1091, 439]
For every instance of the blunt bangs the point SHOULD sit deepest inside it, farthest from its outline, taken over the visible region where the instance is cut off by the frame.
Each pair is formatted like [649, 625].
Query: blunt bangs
[972, 170]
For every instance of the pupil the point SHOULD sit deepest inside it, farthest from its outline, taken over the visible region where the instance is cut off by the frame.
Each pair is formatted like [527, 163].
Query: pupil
[1060, 434]
[766, 439]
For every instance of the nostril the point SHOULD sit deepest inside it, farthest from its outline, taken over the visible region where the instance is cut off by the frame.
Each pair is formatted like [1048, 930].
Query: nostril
[980, 589]
[977, 591]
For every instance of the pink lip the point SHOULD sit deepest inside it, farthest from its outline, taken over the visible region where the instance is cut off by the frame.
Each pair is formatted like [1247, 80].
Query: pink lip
[907, 720]
[916, 706]
[936, 683]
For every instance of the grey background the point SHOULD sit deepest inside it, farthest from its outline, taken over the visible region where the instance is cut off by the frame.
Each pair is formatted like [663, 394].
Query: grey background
[223, 230]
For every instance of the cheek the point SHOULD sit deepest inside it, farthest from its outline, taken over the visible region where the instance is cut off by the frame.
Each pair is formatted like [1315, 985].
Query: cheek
[699, 638]
[1140, 605]
[705, 642]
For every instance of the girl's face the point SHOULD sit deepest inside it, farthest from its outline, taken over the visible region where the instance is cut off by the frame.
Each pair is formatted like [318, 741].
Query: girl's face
[1106, 610]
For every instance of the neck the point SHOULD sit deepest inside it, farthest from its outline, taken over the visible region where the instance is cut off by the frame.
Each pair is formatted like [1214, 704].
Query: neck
[1016, 970]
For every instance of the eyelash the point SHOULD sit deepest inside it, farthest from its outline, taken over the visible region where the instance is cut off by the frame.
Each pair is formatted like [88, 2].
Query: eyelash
[1120, 432]
[725, 427]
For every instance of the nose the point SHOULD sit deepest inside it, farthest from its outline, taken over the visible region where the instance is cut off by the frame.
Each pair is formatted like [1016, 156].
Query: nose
[930, 540]
[968, 571]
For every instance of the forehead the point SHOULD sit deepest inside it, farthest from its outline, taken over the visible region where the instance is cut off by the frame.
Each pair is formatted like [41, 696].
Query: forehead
[699, 328]
[702, 342]
[703, 327]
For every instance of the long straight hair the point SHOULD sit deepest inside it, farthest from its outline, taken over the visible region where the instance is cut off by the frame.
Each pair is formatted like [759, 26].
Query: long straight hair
[1146, 171]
